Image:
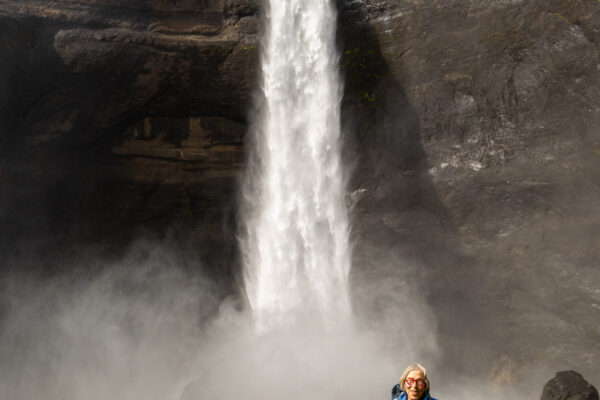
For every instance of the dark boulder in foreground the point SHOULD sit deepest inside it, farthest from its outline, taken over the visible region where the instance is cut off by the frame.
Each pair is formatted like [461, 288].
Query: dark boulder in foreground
[569, 385]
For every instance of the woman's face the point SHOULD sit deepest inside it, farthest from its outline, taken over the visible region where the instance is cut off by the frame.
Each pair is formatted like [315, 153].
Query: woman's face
[414, 385]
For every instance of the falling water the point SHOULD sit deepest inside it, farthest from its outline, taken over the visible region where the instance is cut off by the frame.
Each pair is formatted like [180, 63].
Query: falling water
[295, 245]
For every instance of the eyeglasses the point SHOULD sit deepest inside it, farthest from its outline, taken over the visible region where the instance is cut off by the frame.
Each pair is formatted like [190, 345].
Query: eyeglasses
[410, 381]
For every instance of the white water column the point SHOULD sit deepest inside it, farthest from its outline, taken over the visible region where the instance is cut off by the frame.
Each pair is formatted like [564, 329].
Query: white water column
[295, 239]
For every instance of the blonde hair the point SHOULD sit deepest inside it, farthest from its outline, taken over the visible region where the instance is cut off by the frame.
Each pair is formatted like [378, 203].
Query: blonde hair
[409, 369]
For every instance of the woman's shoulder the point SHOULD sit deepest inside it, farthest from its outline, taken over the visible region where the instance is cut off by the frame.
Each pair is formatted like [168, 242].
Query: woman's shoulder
[397, 393]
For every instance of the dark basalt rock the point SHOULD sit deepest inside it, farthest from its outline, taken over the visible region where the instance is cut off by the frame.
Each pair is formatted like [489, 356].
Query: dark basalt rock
[569, 385]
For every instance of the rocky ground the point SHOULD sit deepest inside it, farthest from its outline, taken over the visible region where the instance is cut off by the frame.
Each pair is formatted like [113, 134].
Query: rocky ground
[471, 129]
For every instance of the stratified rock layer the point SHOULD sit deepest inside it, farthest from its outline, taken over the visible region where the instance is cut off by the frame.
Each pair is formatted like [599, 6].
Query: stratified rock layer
[123, 119]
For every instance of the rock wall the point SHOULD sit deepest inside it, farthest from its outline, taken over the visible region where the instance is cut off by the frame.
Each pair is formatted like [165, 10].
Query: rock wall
[471, 131]
[475, 124]
[123, 119]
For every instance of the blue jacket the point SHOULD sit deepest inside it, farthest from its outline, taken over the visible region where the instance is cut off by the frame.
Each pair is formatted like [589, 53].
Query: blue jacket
[398, 394]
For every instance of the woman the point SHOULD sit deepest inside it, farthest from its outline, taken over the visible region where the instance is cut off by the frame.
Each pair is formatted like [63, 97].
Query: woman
[413, 385]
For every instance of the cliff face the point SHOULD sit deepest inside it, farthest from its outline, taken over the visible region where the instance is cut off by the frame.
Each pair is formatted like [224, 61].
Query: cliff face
[479, 144]
[122, 119]
[471, 128]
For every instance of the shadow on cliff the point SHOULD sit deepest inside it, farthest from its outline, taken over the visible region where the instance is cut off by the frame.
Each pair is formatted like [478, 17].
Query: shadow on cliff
[62, 202]
[405, 239]
[43, 171]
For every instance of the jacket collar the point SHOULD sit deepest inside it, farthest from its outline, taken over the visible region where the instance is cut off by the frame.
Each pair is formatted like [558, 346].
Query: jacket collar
[425, 396]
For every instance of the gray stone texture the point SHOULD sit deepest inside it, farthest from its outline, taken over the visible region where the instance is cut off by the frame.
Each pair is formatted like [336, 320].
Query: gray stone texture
[569, 385]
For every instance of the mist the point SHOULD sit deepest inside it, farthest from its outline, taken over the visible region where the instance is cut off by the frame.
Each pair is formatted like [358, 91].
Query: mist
[142, 329]
[150, 327]
[124, 333]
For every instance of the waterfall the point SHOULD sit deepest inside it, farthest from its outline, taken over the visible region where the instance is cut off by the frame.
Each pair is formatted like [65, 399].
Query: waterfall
[295, 243]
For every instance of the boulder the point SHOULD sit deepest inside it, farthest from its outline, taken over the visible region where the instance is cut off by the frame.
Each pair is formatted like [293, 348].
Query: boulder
[569, 385]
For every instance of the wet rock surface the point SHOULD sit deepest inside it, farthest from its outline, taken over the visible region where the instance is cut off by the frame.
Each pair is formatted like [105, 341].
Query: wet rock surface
[471, 131]
[569, 385]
